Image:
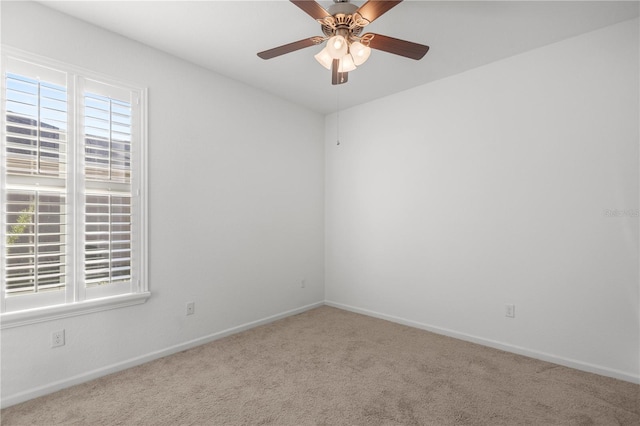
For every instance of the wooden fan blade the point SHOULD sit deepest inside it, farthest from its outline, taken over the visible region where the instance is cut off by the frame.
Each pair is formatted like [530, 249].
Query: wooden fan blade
[291, 47]
[373, 9]
[396, 46]
[338, 77]
[311, 8]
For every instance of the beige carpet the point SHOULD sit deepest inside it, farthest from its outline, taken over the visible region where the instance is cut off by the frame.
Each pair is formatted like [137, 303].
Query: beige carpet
[331, 367]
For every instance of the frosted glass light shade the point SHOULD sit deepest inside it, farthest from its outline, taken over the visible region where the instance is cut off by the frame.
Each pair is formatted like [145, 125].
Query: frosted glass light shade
[324, 58]
[346, 64]
[337, 47]
[360, 52]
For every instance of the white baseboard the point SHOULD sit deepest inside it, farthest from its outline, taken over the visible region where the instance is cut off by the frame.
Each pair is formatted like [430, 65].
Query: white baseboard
[567, 362]
[114, 368]
[94, 374]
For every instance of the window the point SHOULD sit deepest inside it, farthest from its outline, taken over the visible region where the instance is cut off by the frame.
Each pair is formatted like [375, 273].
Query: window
[73, 188]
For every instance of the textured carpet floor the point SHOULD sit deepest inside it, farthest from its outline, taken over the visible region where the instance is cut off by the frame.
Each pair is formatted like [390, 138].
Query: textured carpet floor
[332, 367]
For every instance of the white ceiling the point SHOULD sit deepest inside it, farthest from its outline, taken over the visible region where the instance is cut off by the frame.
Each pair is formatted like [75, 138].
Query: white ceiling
[224, 36]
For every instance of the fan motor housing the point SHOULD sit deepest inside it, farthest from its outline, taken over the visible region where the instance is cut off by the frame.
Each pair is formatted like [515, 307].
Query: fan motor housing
[341, 21]
[343, 7]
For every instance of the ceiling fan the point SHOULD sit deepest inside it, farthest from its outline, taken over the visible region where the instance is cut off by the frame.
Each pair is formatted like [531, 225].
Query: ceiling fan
[342, 25]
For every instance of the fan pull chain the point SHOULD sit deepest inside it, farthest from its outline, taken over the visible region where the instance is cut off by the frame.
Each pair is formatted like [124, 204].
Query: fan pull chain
[338, 115]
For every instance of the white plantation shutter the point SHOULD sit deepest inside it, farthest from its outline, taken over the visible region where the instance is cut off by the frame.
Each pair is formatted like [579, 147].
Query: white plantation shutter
[73, 216]
[36, 117]
[35, 179]
[36, 259]
[107, 139]
[108, 131]
[108, 239]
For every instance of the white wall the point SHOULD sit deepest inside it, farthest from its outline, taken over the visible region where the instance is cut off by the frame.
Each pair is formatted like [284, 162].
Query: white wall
[236, 202]
[448, 201]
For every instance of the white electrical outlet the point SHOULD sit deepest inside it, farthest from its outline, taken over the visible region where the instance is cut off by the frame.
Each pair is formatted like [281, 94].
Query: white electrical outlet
[303, 283]
[510, 311]
[57, 338]
[191, 308]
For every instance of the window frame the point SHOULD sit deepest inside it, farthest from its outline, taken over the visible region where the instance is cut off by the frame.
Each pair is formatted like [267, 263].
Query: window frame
[76, 302]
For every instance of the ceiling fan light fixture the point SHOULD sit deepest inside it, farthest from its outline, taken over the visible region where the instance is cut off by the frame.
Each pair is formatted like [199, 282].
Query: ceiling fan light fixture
[342, 26]
[346, 64]
[337, 47]
[324, 58]
[359, 52]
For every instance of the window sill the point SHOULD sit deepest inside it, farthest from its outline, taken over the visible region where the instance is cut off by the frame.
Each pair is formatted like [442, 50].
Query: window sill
[33, 316]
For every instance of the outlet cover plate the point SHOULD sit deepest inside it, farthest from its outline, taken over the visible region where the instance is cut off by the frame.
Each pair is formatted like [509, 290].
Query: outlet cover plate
[57, 338]
[510, 311]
